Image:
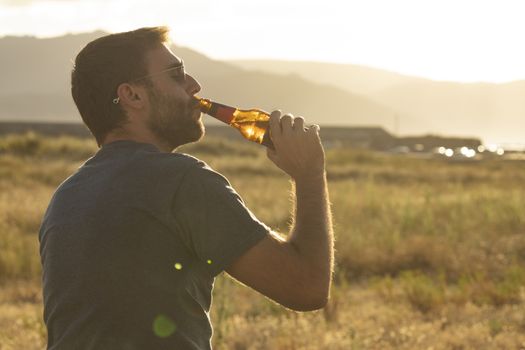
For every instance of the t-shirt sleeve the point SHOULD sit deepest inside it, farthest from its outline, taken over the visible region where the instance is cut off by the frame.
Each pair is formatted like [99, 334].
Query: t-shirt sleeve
[213, 219]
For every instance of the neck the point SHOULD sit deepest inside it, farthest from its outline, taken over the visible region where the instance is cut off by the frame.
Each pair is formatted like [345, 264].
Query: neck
[141, 138]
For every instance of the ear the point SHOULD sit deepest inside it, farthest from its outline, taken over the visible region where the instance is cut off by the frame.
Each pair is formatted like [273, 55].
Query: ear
[131, 96]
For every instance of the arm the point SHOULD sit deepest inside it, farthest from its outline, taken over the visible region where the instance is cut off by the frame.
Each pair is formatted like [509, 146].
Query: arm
[295, 272]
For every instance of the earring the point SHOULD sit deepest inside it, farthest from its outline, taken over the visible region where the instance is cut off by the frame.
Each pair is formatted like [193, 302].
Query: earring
[116, 100]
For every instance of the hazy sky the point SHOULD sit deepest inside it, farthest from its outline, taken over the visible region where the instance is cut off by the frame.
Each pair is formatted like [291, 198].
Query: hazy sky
[461, 40]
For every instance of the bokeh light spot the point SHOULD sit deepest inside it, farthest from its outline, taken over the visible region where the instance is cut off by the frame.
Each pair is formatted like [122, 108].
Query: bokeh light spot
[178, 266]
[209, 262]
[163, 326]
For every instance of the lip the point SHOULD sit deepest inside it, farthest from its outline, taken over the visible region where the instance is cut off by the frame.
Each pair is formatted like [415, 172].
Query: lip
[195, 102]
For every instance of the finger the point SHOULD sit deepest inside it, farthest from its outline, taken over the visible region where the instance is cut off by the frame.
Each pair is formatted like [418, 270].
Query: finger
[313, 132]
[298, 124]
[275, 123]
[314, 128]
[287, 123]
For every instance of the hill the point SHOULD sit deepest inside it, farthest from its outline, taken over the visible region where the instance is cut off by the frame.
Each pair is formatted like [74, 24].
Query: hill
[350, 77]
[35, 86]
[492, 111]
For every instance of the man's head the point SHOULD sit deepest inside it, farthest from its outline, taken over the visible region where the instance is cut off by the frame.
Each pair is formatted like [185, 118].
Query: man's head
[131, 83]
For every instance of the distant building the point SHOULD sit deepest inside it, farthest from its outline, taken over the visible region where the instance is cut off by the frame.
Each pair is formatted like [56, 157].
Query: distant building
[379, 139]
[429, 142]
[359, 137]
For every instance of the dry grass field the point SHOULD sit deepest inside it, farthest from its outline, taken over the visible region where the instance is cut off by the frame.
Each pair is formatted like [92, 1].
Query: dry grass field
[430, 254]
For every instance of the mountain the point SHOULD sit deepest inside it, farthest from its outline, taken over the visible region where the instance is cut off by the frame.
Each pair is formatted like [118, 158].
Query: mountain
[495, 112]
[30, 65]
[35, 86]
[354, 78]
[36, 76]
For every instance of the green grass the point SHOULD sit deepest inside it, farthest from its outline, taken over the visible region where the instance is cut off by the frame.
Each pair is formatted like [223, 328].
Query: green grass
[418, 236]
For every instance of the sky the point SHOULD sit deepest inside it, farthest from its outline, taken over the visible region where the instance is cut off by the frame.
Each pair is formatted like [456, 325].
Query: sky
[454, 40]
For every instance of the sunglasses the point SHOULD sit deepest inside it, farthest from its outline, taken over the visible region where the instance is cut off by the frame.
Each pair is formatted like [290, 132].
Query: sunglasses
[176, 72]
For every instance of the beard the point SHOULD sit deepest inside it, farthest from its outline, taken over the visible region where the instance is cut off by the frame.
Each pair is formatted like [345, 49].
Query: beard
[173, 121]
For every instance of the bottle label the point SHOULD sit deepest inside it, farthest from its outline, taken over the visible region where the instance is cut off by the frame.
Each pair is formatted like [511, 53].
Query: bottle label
[222, 112]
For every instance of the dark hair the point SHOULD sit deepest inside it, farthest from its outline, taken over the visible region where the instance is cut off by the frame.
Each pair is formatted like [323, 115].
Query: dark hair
[101, 66]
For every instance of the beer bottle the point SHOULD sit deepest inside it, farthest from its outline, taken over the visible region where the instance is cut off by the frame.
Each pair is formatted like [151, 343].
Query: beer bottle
[252, 123]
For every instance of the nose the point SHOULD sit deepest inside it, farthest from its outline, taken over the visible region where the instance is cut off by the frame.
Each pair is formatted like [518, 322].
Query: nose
[193, 85]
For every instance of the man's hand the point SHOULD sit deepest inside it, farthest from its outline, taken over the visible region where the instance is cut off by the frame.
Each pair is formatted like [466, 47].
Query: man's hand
[298, 150]
[297, 271]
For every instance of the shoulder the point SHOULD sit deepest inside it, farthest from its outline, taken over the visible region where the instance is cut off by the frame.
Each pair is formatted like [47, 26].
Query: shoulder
[193, 170]
[190, 163]
[200, 171]
[171, 162]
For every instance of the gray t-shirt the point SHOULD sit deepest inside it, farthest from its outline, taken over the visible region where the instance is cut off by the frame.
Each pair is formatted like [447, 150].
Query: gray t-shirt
[130, 246]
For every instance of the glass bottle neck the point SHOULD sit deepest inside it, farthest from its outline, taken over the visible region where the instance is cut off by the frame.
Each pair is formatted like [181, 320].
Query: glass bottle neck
[219, 111]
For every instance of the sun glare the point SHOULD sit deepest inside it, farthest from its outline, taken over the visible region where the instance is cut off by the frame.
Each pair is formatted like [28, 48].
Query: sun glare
[443, 40]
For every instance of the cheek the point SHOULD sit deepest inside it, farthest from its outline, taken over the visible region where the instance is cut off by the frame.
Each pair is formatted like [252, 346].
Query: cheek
[174, 110]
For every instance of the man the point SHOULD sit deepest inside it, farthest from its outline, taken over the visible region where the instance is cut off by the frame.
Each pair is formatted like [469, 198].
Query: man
[131, 243]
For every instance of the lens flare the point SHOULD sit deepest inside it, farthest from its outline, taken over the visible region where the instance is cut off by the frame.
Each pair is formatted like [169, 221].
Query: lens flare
[163, 326]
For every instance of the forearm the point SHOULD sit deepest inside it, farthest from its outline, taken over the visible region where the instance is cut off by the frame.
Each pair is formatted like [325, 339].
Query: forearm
[299, 152]
[312, 232]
